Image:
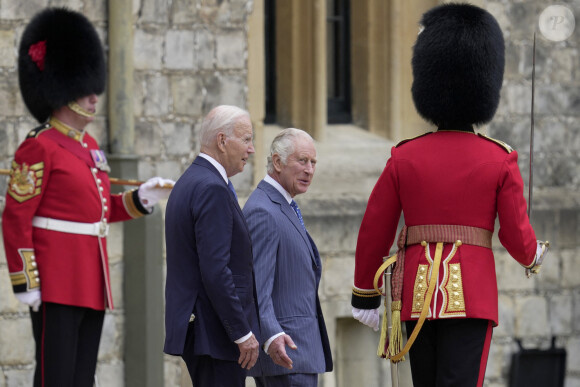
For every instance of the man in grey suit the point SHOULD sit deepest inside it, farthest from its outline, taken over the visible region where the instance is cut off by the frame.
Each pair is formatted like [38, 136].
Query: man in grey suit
[287, 269]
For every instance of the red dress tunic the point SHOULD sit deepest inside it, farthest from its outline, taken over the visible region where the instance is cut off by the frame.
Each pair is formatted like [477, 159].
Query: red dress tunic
[445, 178]
[55, 176]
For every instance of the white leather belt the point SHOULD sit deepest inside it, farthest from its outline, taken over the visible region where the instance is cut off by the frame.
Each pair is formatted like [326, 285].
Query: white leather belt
[100, 229]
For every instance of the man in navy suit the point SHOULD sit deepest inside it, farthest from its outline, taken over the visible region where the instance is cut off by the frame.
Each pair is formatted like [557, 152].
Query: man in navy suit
[211, 313]
[288, 269]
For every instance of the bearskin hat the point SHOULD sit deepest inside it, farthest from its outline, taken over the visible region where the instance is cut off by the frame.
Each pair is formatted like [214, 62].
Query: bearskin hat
[458, 64]
[60, 59]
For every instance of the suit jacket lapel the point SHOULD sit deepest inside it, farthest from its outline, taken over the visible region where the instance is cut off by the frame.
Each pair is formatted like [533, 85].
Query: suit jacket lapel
[277, 197]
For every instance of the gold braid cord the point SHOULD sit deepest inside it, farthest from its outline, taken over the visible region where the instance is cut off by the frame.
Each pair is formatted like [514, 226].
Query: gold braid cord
[392, 347]
[382, 350]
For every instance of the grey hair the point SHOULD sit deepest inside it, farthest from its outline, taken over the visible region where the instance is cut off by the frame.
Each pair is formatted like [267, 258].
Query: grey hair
[221, 118]
[283, 145]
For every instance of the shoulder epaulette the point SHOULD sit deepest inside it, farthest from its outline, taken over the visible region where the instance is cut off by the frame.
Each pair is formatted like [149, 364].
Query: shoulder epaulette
[411, 139]
[36, 131]
[505, 146]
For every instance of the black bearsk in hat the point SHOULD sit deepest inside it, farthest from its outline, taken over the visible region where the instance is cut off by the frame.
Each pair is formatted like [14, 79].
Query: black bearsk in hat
[60, 59]
[458, 64]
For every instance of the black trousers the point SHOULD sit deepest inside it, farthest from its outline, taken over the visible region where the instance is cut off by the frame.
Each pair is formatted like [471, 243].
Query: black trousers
[450, 352]
[288, 380]
[67, 344]
[206, 371]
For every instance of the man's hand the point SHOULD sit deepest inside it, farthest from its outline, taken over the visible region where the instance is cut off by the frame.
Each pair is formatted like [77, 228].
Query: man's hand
[277, 350]
[541, 254]
[154, 190]
[248, 352]
[31, 298]
[369, 317]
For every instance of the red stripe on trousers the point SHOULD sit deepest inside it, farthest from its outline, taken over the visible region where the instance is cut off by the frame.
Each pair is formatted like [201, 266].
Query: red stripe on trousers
[485, 354]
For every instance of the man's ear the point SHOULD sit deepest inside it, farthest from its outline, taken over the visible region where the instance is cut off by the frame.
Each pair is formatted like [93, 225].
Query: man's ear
[221, 141]
[277, 162]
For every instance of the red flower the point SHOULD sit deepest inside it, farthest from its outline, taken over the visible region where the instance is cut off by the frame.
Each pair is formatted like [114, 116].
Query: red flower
[37, 52]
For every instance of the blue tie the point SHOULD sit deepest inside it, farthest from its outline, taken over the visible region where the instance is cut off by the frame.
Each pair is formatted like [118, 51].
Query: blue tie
[298, 213]
[231, 187]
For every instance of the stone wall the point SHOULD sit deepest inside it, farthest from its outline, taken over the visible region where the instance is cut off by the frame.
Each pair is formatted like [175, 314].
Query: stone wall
[189, 57]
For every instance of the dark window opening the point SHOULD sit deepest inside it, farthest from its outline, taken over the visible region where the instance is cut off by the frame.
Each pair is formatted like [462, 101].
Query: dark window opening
[338, 61]
[270, 58]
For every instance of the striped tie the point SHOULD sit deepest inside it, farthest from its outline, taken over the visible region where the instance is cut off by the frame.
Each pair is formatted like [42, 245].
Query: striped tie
[298, 213]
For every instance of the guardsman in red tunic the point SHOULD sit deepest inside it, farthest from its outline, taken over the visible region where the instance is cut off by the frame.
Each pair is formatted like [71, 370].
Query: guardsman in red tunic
[58, 204]
[450, 185]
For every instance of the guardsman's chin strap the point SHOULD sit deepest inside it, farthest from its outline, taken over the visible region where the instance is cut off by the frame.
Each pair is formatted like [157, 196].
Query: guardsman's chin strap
[75, 107]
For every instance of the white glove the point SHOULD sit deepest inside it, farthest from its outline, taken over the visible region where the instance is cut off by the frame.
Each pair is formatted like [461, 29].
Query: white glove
[31, 298]
[154, 190]
[541, 253]
[369, 317]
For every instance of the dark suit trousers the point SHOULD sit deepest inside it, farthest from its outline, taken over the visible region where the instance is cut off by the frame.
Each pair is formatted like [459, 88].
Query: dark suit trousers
[67, 344]
[450, 352]
[289, 380]
[206, 371]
